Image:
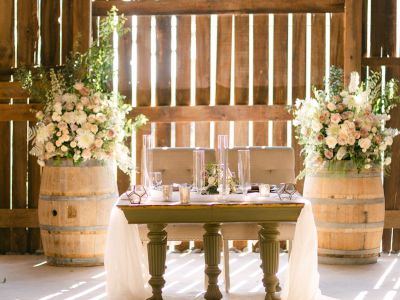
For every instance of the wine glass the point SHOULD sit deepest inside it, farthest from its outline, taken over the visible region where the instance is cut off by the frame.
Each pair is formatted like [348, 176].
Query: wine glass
[156, 179]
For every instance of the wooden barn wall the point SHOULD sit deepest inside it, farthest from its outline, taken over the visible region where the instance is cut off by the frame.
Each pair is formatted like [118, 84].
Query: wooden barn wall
[203, 60]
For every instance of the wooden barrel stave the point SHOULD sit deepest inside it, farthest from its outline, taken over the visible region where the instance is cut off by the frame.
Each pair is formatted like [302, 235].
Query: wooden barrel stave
[349, 212]
[74, 208]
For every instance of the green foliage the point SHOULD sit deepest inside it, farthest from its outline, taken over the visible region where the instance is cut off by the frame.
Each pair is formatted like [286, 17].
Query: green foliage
[335, 80]
[383, 99]
[94, 68]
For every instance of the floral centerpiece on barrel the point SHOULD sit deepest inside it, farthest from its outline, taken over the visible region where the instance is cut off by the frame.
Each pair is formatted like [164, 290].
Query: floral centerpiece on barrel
[345, 144]
[80, 133]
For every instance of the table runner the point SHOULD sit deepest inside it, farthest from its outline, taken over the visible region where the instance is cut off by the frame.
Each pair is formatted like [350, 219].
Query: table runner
[127, 269]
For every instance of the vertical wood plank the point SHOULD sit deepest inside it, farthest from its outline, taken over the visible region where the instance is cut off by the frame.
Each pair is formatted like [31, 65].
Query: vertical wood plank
[383, 43]
[223, 78]
[6, 62]
[241, 75]
[260, 77]
[76, 26]
[163, 81]
[27, 36]
[318, 50]
[352, 37]
[337, 40]
[203, 38]
[183, 46]
[143, 84]
[298, 82]
[125, 86]
[280, 75]
[50, 33]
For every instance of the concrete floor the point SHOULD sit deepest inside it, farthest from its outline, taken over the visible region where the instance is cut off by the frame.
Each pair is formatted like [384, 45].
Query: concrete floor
[28, 277]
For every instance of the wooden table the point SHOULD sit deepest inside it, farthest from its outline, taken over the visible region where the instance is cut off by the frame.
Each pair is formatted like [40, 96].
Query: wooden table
[266, 214]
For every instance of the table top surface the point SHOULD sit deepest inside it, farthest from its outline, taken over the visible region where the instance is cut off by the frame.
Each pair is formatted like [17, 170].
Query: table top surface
[268, 209]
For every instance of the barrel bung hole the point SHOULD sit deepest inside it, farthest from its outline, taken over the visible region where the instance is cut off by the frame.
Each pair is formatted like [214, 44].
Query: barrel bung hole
[54, 212]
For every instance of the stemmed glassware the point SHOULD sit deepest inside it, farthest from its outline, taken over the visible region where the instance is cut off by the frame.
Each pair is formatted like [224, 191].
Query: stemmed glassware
[156, 180]
[147, 162]
[244, 170]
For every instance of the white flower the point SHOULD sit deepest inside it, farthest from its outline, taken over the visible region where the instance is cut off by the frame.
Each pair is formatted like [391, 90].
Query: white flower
[56, 117]
[382, 147]
[59, 143]
[354, 82]
[316, 126]
[333, 130]
[79, 106]
[388, 161]
[211, 180]
[64, 148]
[341, 153]
[69, 98]
[86, 154]
[98, 143]
[331, 141]
[85, 138]
[39, 115]
[349, 101]
[42, 134]
[69, 117]
[57, 107]
[335, 118]
[94, 128]
[50, 147]
[364, 143]
[331, 106]
[80, 117]
[72, 144]
[388, 140]
[76, 156]
[367, 166]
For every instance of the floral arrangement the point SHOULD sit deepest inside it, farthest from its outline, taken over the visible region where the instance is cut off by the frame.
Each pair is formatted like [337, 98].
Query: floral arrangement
[212, 178]
[347, 124]
[82, 119]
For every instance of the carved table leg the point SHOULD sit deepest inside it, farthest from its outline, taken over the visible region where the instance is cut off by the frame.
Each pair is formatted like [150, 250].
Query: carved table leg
[157, 251]
[269, 253]
[212, 254]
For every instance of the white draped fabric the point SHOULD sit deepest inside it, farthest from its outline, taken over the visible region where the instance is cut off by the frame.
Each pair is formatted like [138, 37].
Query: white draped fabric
[127, 272]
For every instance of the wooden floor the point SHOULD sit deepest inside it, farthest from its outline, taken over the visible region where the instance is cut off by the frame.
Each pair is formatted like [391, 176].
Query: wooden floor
[27, 277]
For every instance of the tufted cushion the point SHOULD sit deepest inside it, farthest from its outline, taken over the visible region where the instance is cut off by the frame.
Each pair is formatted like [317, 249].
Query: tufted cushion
[176, 164]
[271, 165]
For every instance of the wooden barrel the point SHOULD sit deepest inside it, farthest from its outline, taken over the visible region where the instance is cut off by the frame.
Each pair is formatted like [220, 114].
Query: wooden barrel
[349, 209]
[74, 208]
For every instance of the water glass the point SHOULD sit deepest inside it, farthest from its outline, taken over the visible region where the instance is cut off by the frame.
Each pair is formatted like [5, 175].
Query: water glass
[222, 155]
[167, 192]
[198, 170]
[244, 170]
[184, 193]
[264, 190]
